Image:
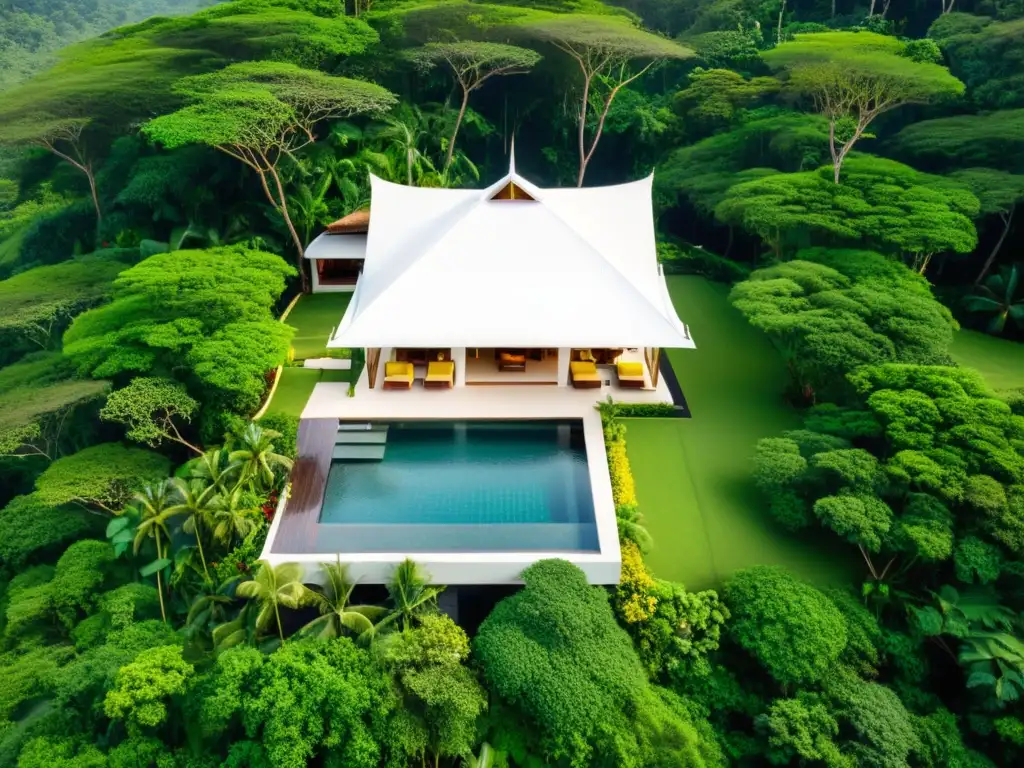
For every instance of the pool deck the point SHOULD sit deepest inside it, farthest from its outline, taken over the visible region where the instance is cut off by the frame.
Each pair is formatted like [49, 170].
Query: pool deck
[296, 529]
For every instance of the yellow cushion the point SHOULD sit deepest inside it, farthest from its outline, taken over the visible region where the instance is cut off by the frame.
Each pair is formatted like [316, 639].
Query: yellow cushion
[397, 369]
[631, 369]
[594, 376]
[580, 367]
[446, 368]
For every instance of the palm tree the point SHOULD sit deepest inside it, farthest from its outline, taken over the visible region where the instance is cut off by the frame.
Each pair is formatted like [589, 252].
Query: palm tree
[234, 515]
[255, 456]
[998, 296]
[216, 468]
[156, 504]
[272, 587]
[196, 502]
[404, 133]
[336, 614]
[410, 594]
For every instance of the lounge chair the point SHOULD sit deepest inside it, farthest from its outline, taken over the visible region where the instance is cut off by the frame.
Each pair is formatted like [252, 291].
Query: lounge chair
[584, 375]
[398, 375]
[510, 361]
[631, 375]
[440, 375]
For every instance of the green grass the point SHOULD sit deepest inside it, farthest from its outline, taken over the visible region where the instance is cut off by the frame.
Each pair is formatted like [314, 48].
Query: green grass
[693, 476]
[1000, 361]
[296, 386]
[314, 317]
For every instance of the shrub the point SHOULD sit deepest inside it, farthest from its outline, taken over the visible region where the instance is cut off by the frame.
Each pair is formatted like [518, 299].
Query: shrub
[644, 410]
[696, 261]
[792, 629]
[59, 235]
[633, 601]
[288, 427]
[623, 488]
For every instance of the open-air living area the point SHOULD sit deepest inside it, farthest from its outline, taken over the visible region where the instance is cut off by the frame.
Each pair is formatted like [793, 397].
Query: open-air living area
[491, 323]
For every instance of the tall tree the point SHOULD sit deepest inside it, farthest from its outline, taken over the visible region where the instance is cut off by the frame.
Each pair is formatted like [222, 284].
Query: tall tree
[999, 193]
[336, 614]
[472, 63]
[605, 48]
[853, 77]
[156, 504]
[261, 113]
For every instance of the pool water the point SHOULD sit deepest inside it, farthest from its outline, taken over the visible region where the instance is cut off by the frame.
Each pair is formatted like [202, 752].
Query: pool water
[465, 486]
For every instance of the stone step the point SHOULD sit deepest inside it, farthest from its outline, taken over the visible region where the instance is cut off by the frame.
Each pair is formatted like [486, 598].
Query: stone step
[359, 452]
[351, 438]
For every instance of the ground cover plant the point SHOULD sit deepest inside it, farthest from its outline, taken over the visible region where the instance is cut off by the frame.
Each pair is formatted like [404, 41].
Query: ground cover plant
[821, 566]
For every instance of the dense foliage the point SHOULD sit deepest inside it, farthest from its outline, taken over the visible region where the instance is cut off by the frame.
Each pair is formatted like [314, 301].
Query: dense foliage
[852, 169]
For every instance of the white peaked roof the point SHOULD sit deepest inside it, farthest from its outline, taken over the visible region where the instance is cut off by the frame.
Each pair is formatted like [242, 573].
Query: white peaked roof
[456, 268]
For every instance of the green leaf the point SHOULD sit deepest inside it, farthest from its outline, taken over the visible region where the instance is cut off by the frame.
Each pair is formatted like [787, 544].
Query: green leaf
[116, 525]
[153, 567]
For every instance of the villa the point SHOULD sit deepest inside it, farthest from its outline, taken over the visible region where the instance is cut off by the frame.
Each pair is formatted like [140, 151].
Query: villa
[492, 322]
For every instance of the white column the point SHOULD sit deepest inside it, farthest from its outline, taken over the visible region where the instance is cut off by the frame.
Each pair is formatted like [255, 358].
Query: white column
[311, 265]
[459, 358]
[564, 353]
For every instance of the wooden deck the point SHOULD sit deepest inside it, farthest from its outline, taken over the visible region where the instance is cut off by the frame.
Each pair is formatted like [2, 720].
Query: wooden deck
[297, 531]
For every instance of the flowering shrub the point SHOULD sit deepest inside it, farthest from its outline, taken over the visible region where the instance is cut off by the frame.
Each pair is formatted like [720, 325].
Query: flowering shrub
[623, 488]
[633, 601]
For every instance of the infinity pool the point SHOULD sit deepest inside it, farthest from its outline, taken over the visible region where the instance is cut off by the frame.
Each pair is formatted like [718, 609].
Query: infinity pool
[460, 486]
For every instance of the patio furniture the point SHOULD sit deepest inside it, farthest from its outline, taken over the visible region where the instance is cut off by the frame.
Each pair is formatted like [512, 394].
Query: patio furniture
[509, 361]
[584, 375]
[631, 375]
[398, 375]
[440, 375]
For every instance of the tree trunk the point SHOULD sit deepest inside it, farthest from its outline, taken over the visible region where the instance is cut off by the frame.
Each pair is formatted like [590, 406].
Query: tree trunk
[871, 9]
[95, 195]
[159, 581]
[1007, 222]
[408, 165]
[833, 9]
[277, 615]
[451, 142]
[583, 126]
[282, 205]
[778, 31]
[199, 543]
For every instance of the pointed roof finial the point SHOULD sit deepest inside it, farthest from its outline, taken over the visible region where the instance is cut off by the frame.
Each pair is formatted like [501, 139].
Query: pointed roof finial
[512, 156]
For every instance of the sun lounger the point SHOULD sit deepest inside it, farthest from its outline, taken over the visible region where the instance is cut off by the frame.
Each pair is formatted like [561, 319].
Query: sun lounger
[585, 375]
[398, 375]
[440, 375]
[631, 375]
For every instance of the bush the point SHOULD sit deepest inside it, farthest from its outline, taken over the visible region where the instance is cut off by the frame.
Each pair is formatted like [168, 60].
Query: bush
[696, 261]
[288, 426]
[60, 235]
[795, 631]
[644, 410]
[623, 488]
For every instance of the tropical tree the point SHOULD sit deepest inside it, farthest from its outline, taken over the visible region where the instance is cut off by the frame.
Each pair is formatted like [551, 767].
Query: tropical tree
[253, 453]
[234, 515]
[148, 407]
[216, 468]
[853, 77]
[410, 594]
[999, 193]
[472, 63]
[604, 48]
[260, 113]
[336, 615]
[404, 131]
[272, 587]
[155, 506]
[998, 297]
[61, 137]
[196, 500]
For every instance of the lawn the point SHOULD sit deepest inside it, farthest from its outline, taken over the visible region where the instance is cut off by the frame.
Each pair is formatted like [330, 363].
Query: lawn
[1001, 362]
[693, 476]
[296, 386]
[314, 317]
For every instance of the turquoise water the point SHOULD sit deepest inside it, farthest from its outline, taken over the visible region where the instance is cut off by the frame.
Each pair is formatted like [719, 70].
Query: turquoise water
[464, 486]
